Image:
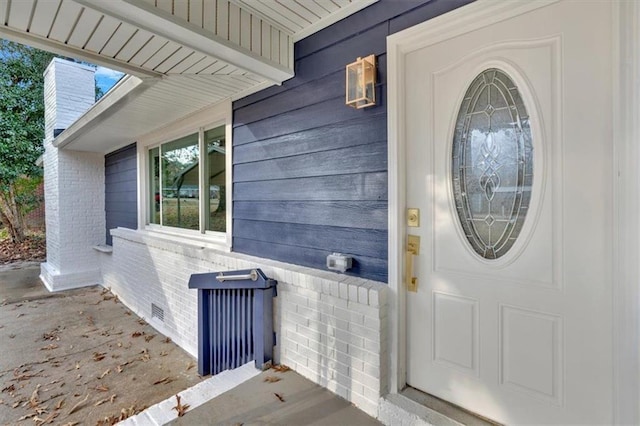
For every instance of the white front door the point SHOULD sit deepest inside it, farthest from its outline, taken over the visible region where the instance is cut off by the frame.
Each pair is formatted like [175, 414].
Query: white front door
[508, 133]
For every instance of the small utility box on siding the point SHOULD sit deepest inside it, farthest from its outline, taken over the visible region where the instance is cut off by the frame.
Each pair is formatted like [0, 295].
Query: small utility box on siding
[235, 319]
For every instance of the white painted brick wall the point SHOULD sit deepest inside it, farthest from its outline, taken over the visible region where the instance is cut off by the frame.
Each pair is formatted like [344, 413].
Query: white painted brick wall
[331, 328]
[74, 182]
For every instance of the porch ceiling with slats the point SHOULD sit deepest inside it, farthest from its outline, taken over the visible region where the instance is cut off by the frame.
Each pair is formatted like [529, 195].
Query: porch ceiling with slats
[185, 54]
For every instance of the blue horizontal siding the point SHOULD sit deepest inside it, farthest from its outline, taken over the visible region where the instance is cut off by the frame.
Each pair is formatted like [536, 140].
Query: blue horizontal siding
[123, 176]
[310, 174]
[121, 193]
[371, 128]
[325, 113]
[121, 208]
[358, 159]
[373, 268]
[349, 214]
[356, 241]
[349, 187]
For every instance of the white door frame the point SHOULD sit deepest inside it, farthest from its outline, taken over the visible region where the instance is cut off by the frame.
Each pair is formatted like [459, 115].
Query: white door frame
[625, 211]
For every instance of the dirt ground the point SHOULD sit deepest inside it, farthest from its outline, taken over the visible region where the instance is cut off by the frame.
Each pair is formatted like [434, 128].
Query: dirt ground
[80, 357]
[33, 248]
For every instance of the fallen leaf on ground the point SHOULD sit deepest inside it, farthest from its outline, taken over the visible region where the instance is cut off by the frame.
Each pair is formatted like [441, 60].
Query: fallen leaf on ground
[279, 397]
[102, 401]
[49, 347]
[33, 401]
[48, 419]
[181, 409]
[124, 414]
[163, 380]
[190, 365]
[27, 416]
[78, 406]
[102, 388]
[281, 368]
[272, 379]
[167, 340]
[9, 388]
[164, 353]
[98, 356]
[149, 337]
[136, 334]
[60, 404]
[142, 322]
[107, 371]
[52, 335]
[145, 355]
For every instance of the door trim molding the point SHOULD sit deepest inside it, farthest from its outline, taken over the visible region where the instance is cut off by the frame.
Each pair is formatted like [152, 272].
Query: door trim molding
[625, 210]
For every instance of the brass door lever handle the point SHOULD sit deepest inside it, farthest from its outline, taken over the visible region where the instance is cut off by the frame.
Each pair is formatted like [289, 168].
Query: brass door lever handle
[413, 249]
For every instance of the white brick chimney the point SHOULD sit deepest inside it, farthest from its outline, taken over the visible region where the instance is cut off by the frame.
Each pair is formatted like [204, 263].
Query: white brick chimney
[73, 183]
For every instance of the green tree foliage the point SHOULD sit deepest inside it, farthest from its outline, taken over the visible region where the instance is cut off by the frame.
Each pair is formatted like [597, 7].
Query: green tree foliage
[21, 131]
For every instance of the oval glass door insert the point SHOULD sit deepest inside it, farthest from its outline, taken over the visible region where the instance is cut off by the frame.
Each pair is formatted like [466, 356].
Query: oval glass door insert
[492, 163]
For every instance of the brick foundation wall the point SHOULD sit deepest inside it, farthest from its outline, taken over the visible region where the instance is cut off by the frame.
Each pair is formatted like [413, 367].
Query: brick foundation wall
[330, 328]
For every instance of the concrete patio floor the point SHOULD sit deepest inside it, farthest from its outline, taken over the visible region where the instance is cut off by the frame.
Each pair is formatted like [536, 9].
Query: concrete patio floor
[79, 356]
[276, 398]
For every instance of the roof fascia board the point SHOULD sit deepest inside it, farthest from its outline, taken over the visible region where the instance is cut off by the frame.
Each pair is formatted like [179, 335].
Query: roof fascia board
[156, 21]
[126, 88]
[65, 50]
[331, 19]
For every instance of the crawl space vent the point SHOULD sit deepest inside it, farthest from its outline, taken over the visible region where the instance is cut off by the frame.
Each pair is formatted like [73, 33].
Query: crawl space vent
[157, 312]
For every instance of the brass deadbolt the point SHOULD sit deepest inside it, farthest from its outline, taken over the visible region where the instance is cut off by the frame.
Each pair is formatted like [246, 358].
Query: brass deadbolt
[413, 217]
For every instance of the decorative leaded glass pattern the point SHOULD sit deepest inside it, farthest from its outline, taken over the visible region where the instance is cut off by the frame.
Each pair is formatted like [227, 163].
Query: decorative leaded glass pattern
[492, 163]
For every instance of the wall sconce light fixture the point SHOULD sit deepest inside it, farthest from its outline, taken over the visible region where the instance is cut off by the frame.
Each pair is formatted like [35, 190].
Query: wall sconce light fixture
[361, 82]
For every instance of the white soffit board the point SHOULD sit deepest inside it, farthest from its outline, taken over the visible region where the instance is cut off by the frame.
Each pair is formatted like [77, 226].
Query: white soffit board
[142, 106]
[189, 53]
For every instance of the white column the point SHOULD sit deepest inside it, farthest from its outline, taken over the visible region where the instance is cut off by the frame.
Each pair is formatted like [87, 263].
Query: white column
[74, 183]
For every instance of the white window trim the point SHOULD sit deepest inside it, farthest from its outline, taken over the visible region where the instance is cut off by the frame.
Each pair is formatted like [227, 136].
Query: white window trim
[216, 115]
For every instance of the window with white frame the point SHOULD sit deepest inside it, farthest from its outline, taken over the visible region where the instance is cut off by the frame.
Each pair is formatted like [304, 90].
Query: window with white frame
[186, 177]
[177, 192]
